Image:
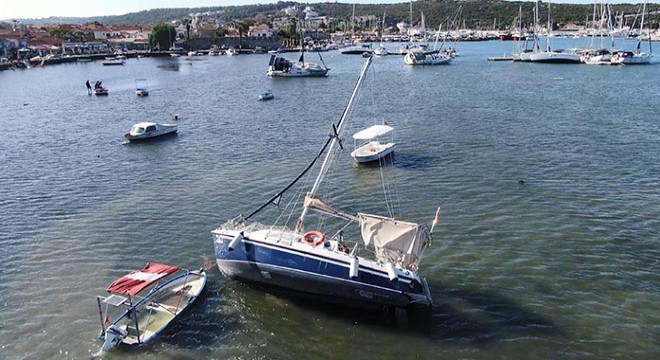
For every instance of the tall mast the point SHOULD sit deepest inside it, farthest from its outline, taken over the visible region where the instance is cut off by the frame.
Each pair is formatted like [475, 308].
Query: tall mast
[335, 139]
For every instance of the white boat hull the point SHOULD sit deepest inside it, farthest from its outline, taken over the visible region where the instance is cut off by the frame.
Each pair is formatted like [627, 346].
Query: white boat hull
[420, 58]
[299, 70]
[316, 272]
[148, 317]
[554, 57]
[372, 151]
[160, 130]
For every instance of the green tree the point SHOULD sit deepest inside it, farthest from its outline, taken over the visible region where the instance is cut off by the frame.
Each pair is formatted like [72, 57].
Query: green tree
[187, 22]
[242, 29]
[162, 36]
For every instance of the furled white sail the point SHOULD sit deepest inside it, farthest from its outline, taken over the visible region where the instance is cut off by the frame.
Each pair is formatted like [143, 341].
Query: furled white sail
[317, 204]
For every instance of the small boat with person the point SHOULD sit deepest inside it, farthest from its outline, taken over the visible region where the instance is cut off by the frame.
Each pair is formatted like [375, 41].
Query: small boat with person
[147, 130]
[145, 302]
[367, 145]
[99, 89]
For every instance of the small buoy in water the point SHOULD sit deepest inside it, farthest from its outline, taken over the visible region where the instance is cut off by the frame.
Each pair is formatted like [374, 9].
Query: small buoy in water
[176, 116]
[521, 182]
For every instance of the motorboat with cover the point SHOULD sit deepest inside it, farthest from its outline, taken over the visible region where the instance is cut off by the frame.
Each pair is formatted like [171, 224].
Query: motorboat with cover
[149, 130]
[281, 67]
[144, 302]
[374, 267]
[367, 145]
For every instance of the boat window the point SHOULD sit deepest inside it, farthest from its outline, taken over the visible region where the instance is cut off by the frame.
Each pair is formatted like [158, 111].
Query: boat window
[137, 130]
[151, 128]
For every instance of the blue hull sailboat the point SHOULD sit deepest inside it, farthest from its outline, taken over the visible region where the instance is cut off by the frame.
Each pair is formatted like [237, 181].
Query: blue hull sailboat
[375, 267]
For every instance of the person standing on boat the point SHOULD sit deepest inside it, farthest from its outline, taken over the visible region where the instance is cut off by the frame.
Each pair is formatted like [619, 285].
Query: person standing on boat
[89, 87]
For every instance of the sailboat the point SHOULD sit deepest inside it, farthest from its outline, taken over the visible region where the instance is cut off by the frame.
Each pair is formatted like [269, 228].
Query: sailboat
[376, 270]
[638, 57]
[422, 56]
[279, 66]
[356, 48]
[601, 55]
[553, 56]
[381, 50]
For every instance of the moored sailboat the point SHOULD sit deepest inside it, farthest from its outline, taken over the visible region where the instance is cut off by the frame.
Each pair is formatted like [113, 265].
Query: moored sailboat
[378, 270]
[279, 66]
[638, 57]
[550, 55]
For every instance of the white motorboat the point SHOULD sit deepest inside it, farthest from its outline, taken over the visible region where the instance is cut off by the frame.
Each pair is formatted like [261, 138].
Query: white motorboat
[368, 146]
[281, 67]
[375, 268]
[231, 51]
[144, 302]
[268, 95]
[148, 130]
[141, 87]
[113, 61]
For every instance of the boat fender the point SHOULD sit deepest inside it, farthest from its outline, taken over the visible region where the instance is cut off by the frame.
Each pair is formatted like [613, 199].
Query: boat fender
[238, 238]
[353, 271]
[390, 271]
[314, 238]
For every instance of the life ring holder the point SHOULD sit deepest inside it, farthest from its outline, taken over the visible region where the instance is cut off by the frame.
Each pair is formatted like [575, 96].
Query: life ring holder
[314, 238]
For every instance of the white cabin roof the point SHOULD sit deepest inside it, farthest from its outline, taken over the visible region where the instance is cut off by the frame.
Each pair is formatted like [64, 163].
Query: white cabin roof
[372, 132]
[144, 124]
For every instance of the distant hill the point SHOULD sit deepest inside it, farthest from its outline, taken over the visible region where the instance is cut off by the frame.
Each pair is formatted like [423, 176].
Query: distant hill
[475, 14]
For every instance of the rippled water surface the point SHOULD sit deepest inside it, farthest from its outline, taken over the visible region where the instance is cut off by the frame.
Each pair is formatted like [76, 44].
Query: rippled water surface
[547, 176]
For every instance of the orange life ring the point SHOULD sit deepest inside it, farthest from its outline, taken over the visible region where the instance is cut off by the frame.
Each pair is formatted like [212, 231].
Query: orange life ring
[314, 238]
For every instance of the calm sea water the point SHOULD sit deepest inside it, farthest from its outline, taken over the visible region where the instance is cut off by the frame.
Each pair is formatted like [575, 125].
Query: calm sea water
[547, 176]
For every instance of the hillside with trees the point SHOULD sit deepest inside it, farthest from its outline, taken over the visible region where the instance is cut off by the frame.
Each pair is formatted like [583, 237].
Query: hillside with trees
[473, 14]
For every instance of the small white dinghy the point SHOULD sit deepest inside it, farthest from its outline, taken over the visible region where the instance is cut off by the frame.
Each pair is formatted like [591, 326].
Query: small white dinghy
[367, 145]
[141, 87]
[148, 130]
[147, 301]
[268, 95]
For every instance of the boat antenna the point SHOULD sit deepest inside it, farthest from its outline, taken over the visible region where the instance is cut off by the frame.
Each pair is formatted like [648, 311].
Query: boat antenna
[335, 140]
